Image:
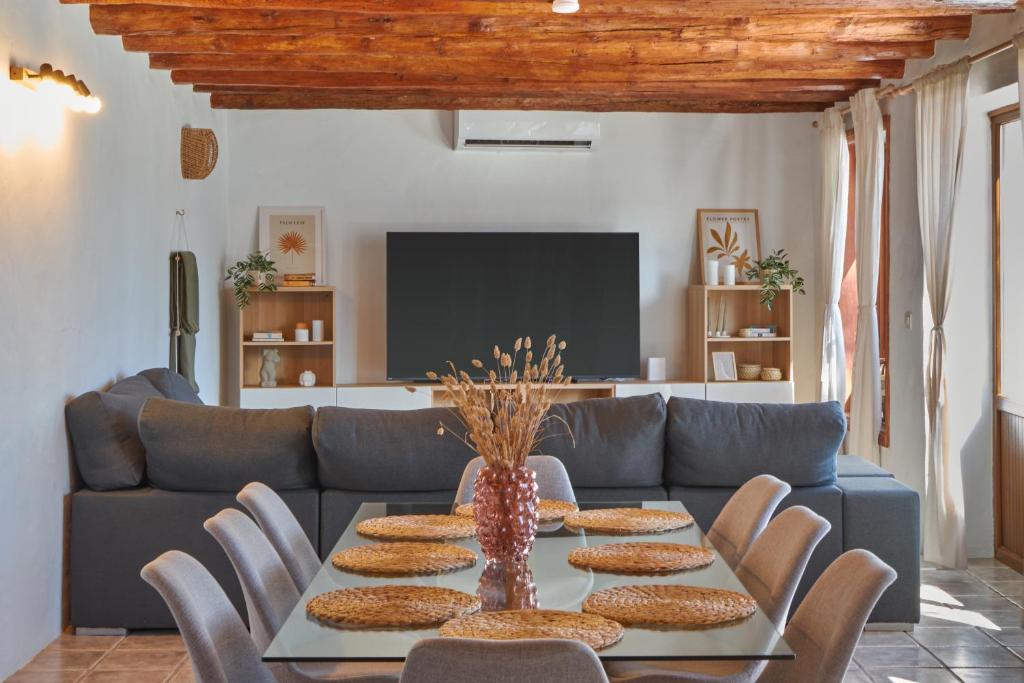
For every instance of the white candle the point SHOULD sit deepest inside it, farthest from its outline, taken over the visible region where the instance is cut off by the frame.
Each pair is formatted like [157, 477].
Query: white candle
[729, 275]
[711, 271]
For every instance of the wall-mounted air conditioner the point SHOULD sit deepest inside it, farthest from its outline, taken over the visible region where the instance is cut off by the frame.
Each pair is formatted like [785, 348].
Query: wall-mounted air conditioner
[526, 130]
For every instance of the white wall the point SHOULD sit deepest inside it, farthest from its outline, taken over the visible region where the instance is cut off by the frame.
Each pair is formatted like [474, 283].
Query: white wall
[969, 323]
[381, 171]
[86, 227]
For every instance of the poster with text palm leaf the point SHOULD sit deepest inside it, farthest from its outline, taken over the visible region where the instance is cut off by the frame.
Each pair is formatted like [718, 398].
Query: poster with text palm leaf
[293, 239]
[730, 236]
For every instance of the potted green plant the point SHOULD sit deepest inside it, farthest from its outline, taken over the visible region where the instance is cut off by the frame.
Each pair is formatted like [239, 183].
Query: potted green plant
[256, 272]
[775, 272]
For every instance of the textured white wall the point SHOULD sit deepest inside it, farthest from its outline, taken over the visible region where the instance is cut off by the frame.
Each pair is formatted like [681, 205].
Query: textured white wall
[86, 229]
[381, 171]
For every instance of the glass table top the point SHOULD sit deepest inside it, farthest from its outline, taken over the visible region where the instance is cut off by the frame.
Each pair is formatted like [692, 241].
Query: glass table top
[559, 586]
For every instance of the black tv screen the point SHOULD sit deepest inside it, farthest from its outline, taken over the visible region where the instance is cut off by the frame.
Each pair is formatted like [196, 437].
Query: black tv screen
[453, 296]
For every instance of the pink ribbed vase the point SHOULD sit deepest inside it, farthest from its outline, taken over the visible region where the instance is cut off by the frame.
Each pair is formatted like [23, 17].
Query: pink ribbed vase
[507, 586]
[505, 507]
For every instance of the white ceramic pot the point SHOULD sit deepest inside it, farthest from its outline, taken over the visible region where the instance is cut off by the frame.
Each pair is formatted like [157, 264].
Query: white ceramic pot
[711, 271]
[307, 378]
[729, 275]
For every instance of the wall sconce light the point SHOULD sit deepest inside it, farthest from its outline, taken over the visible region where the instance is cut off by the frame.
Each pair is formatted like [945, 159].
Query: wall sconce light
[565, 6]
[66, 89]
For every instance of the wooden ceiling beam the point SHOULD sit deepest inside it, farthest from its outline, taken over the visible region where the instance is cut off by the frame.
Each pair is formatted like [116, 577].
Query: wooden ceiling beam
[153, 19]
[619, 48]
[448, 102]
[563, 70]
[368, 81]
[707, 8]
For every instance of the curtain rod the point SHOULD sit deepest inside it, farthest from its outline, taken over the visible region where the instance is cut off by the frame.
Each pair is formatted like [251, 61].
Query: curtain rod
[896, 91]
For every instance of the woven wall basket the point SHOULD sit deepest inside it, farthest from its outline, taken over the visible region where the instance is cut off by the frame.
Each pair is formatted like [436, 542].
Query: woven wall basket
[198, 152]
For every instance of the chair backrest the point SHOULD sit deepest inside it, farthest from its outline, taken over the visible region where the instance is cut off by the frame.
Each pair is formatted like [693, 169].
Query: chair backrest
[552, 479]
[745, 516]
[772, 568]
[220, 648]
[826, 627]
[283, 531]
[464, 660]
[270, 593]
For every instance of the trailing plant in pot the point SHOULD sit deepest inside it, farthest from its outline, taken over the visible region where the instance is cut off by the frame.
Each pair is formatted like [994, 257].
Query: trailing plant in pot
[775, 272]
[504, 419]
[256, 272]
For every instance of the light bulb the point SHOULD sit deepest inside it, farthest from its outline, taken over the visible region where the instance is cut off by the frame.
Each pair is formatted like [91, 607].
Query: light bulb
[92, 104]
[565, 6]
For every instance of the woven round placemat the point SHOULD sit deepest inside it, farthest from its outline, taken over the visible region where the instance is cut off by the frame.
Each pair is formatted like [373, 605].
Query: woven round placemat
[662, 605]
[594, 630]
[547, 510]
[627, 521]
[641, 558]
[391, 606]
[403, 558]
[417, 527]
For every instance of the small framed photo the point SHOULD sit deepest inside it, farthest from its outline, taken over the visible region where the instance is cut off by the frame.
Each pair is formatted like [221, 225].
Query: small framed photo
[730, 236]
[293, 237]
[724, 363]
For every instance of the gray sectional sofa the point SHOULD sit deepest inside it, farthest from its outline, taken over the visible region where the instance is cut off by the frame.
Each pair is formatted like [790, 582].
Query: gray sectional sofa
[154, 464]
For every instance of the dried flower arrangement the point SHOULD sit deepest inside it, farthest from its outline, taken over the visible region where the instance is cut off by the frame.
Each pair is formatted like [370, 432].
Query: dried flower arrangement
[504, 417]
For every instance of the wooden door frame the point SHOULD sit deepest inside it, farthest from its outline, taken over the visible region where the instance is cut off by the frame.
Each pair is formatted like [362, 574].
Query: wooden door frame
[997, 119]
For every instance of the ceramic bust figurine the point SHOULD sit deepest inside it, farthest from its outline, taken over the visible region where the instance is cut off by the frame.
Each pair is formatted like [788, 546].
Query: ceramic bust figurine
[268, 370]
[307, 379]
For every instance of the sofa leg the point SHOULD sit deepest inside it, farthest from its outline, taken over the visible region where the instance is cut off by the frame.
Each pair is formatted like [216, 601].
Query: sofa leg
[99, 631]
[890, 626]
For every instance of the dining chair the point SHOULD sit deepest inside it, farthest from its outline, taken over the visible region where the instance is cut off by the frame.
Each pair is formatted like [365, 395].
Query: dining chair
[466, 660]
[552, 479]
[822, 634]
[770, 571]
[745, 516]
[283, 531]
[220, 648]
[271, 595]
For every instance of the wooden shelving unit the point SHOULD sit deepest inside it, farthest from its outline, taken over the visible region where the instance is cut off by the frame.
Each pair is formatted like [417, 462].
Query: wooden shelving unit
[743, 308]
[281, 310]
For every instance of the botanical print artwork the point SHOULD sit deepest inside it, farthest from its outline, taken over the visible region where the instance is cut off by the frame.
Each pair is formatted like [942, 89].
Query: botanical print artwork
[292, 238]
[292, 243]
[730, 236]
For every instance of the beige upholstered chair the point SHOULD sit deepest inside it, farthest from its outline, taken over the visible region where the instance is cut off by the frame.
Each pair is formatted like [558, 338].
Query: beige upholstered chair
[270, 596]
[771, 571]
[823, 633]
[552, 479]
[459, 660]
[283, 531]
[745, 516]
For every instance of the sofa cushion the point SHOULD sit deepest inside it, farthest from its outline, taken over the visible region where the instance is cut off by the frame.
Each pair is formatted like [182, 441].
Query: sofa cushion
[856, 466]
[388, 450]
[710, 443]
[105, 435]
[211, 448]
[619, 442]
[171, 385]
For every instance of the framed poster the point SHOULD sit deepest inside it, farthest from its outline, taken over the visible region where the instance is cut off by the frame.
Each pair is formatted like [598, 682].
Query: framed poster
[293, 238]
[724, 363]
[733, 236]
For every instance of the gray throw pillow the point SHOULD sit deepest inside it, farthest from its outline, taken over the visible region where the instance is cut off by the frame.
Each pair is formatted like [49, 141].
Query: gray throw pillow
[388, 450]
[618, 441]
[105, 434]
[171, 385]
[711, 443]
[211, 448]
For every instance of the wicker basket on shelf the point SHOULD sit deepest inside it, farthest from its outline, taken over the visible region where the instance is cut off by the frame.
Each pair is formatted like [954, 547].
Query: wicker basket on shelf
[771, 374]
[749, 372]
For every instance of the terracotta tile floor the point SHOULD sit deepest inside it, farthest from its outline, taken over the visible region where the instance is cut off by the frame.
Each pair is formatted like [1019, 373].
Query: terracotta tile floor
[971, 630]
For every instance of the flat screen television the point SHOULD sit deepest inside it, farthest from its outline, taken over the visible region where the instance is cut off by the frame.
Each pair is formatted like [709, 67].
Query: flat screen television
[454, 295]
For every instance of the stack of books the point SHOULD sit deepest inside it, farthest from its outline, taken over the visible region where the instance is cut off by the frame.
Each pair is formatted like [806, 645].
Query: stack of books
[769, 331]
[273, 336]
[300, 280]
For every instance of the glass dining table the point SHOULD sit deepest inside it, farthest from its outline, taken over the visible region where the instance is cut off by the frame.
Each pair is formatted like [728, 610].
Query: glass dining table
[559, 585]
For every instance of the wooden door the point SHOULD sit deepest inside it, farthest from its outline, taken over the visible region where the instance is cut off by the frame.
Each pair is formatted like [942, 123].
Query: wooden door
[1008, 331]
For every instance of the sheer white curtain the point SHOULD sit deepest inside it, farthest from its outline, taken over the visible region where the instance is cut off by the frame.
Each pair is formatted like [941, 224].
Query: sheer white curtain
[866, 399]
[835, 196]
[941, 126]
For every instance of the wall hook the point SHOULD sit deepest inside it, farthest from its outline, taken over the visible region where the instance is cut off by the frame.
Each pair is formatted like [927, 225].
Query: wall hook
[179, 212]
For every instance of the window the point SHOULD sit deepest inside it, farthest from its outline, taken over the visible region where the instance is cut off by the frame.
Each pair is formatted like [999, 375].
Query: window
[848, 293]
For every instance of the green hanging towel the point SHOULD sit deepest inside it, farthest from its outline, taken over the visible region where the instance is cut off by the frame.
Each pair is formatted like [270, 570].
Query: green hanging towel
[184, 315]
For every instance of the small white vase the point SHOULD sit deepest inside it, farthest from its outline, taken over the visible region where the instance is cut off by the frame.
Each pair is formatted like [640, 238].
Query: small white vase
[711, 272]
[729, 275]
[307, 379]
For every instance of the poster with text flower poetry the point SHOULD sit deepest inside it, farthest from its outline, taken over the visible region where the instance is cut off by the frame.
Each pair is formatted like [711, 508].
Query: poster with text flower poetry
[730, 236]
[292, 237]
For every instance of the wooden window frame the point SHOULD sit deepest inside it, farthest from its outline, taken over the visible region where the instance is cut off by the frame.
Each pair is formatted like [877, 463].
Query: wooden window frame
[883, 307]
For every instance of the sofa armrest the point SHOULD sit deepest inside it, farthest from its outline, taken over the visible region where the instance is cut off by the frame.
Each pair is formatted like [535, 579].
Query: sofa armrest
[884, 516]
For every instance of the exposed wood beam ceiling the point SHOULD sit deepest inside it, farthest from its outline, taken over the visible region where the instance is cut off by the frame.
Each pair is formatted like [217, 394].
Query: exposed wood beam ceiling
[614, 55]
